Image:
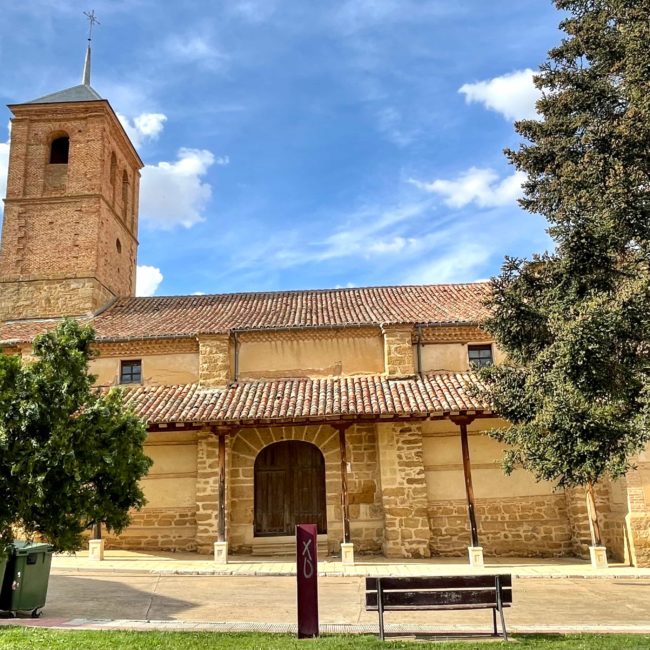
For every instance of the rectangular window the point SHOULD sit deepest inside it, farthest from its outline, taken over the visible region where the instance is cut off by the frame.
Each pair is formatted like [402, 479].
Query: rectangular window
[131, 372]
[479, 355]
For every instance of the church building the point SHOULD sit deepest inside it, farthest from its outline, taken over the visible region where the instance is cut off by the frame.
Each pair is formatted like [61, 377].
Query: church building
[346, 408]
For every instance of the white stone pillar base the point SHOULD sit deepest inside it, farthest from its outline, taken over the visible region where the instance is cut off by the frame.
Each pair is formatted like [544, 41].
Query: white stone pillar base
[598, 555]
[347, 553]
[221, 552]
[476, 556]
[96, 550]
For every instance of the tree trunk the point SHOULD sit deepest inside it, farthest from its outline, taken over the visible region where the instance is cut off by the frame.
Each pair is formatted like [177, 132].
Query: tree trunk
[594, 525]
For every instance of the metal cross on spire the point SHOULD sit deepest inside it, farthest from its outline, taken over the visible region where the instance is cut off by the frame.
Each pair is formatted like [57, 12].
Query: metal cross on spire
[92, 21]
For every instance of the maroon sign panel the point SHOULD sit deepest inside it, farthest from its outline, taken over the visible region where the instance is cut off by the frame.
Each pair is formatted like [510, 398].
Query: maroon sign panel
[307, 565]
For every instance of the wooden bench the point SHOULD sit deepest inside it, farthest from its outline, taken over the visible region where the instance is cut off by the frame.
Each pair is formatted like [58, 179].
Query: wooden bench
[440, 592]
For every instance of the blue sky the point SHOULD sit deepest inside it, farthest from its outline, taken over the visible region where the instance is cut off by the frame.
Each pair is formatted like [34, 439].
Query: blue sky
[292, 144]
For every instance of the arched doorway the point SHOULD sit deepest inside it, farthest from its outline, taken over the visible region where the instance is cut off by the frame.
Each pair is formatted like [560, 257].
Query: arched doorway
[289, 488]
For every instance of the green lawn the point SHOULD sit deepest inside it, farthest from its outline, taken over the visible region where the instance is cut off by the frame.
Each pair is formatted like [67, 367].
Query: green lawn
[19, 638]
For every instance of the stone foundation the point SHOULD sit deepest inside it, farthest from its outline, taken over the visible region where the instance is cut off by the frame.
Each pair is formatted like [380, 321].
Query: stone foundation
[524, 526]
[157, 529]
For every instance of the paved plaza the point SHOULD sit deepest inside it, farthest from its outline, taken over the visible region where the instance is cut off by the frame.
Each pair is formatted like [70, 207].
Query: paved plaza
[173, 591]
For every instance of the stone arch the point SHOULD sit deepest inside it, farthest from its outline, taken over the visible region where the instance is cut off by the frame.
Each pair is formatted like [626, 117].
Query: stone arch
[244, 449]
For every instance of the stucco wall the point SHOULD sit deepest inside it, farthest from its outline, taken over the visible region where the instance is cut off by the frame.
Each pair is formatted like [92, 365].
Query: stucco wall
[515, 515]
[282, 356]
[449, 356]
[176, 368]
[168, 520]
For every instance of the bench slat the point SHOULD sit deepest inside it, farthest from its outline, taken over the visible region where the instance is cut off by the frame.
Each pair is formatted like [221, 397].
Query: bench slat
[438, 582]
[395, 608]
[434, 598]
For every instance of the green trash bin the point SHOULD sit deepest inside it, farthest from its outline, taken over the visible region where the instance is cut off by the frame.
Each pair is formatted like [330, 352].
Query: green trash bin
[24, 587]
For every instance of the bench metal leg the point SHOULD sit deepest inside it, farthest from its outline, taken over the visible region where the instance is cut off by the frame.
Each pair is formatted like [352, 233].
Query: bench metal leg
[380, 608]
[500, 608]
[494, 621]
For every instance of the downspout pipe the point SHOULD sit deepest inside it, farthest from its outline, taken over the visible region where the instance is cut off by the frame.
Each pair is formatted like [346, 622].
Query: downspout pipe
[236, 364]
[419, 350]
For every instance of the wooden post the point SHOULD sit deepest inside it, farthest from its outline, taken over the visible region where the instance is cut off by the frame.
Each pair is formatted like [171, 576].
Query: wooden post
[594, 525]
[221, 521]
[462, 422]
[97, 531]
[344, 483]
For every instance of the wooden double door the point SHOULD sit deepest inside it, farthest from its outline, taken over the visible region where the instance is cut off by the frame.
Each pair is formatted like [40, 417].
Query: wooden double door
[289, 488]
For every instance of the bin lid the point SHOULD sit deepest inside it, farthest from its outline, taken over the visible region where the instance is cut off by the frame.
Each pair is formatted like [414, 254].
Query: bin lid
[23, 547]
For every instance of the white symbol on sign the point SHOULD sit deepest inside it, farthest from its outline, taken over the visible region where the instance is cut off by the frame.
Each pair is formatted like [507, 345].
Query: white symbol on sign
[307, 562]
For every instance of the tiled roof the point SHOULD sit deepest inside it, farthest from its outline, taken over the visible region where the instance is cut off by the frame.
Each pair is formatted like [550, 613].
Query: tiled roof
[288, 400]
[441, 304]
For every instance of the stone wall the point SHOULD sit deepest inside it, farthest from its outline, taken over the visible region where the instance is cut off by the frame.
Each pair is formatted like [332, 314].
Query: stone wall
[404, 490]
[398, 351]
[364, 493]
[158, 529]
[638, 517]
[525, 527]
[207, 491]
[49, 298]
[214, 360]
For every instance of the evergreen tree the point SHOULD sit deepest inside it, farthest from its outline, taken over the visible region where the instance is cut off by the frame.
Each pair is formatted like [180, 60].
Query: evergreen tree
[71, 456]
[575, 323]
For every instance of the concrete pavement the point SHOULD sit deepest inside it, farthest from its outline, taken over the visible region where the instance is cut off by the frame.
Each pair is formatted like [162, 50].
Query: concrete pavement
[131, 601]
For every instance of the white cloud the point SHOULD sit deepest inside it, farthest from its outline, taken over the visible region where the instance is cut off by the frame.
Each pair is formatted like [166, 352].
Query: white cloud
[513, 94]
[147, 280]
[173, 193]
[146, 126]
[4, 167]
[459, 264]
[196, 49]
[222, 161]
[480, 186]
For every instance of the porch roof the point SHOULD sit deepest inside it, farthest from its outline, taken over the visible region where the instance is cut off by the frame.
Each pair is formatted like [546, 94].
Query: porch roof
[281, 401]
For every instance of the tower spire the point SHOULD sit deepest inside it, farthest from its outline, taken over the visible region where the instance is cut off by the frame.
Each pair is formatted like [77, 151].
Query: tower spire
[92, 21]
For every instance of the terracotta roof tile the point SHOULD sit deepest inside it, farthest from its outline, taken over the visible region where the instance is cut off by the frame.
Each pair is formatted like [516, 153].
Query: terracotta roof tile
[286, 400]
[185, 316]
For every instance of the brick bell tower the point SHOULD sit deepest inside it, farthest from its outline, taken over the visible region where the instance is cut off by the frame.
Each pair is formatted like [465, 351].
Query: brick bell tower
[69, 235]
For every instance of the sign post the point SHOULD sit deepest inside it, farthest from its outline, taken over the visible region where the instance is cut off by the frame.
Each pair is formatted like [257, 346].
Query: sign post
[307, 572]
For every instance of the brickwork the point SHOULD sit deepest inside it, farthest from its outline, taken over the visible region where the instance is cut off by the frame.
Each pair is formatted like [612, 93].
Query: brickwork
[207, 491]
[525, 526]
[68, 245]
[214, 360]
[158, 529]
[398, 351]
[404, 490]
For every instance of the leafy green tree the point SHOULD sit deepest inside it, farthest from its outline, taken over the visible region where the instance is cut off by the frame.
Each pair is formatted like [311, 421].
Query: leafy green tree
[575, 323]
[72, 457]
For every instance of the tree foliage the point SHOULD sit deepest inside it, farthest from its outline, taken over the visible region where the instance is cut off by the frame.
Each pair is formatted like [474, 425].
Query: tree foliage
[71, 456]
[575, 322]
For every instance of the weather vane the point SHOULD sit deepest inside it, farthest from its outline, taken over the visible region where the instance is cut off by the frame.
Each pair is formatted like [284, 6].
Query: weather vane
[92, 21]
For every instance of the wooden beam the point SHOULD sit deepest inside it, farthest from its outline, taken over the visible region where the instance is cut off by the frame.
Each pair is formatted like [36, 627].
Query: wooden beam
[462, 422]
[345, 502]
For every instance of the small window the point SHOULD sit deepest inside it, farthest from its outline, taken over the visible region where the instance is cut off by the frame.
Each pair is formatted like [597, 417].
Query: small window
[131, 372]
[113, 167]
[480, 355]
[59, 150]
[125, 193]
